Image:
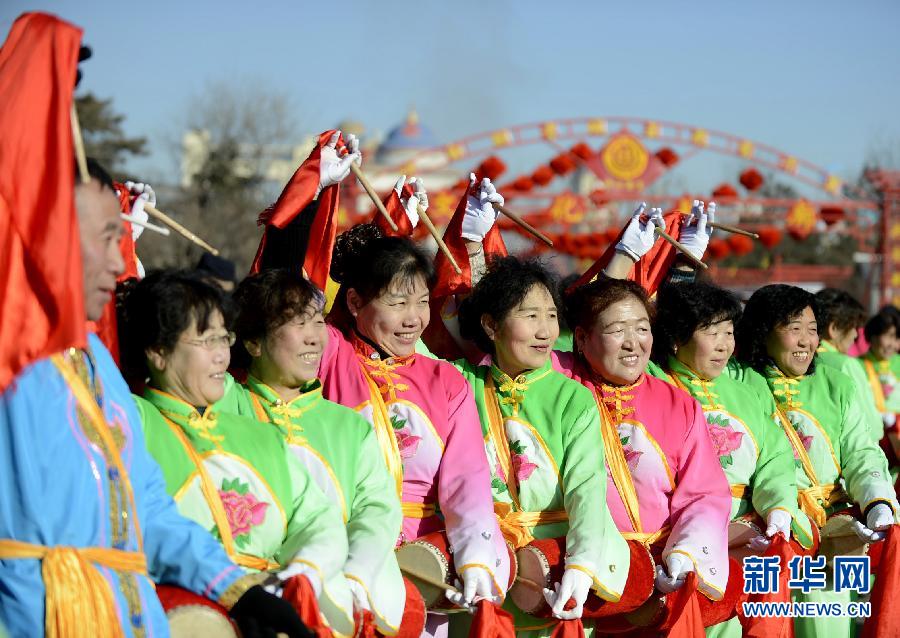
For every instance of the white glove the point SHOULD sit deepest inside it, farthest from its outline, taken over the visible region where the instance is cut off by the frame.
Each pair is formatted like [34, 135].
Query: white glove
[480, 214]
[144, 195]
[878, 520]
[696, 231]
[476, 585]
[300, 569]
[411, 204]
[360, 597]
[889, 419]
[334, 168]
[778, 522]
[639, 237]
[679, 566]
[575, 584]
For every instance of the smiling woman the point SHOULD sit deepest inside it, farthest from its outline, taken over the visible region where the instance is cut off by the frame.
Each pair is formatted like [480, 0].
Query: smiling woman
[542, 437]
[282, 335]
[231, 474]
[837, 463]
[422, 410]
[693, 339]
[667, 489]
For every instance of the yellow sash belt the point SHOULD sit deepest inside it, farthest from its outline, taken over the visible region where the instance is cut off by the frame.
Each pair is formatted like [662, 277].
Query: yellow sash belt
[648, 539]
[739, 490]
[417, 510]
[79, 601]
[515, 525]
[814, 500]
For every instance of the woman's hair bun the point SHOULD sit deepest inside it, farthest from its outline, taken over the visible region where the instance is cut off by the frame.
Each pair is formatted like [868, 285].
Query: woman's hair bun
[349, 248]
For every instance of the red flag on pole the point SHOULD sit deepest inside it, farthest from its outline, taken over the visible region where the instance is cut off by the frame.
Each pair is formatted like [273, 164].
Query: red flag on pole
[296, 196]
[651, 270]
[394, 207]
[448, 282]
[41, 288]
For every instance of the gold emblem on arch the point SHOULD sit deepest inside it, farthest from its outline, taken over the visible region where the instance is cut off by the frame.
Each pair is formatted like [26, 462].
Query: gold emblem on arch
[625, 158]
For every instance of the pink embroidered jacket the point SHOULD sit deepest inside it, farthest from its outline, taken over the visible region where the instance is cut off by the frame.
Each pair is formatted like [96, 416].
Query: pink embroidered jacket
[676, 473]
[427, 425]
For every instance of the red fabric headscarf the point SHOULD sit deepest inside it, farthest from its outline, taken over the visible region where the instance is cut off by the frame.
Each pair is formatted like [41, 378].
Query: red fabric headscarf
[41, 289]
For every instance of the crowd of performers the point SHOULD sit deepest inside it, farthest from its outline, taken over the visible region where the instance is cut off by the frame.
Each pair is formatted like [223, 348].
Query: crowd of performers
[361, 439]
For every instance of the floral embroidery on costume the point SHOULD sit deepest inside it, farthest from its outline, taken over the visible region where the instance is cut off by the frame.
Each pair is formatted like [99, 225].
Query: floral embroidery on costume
[244, 512]
[724, 438]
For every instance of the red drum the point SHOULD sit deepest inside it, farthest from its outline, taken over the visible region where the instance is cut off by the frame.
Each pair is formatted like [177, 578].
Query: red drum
[659, 607]
[193, 616]
[430, 557]
[541, 564]
[413, 623]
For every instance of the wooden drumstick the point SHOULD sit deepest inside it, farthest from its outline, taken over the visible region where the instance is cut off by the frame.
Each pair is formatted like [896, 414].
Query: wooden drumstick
[440, 242]
[372, 194]
[679, 246]
[168, 221]
[730, 229]
[428, 580]
[78, 140]
[530, 584]
[521, 222]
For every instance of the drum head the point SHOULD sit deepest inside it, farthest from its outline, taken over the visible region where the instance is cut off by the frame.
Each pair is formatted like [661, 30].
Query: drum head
[839, 539]
[421, 557]
[534, 567]
[199, 621]
[740, 532]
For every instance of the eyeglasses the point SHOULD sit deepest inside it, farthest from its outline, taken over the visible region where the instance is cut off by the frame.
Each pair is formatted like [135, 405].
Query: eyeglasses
[215, 341]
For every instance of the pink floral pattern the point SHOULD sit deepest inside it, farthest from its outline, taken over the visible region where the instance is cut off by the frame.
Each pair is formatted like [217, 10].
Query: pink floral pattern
[725, 440]
[807, 443]
[407, 442]
[242, 509]
[521, 464]
[632, 457]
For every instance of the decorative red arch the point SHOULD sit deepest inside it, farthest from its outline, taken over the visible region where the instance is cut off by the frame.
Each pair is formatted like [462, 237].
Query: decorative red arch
[475, 147]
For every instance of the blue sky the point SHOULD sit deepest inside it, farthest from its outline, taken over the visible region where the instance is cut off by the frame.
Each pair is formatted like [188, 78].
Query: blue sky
[820, 80]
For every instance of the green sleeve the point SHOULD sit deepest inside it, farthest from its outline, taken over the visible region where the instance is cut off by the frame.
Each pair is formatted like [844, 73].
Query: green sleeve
[865, 398]
[375, 519]
[315, 532]
[863, 464]
[774, 481]
[592, 537]
[655, 370]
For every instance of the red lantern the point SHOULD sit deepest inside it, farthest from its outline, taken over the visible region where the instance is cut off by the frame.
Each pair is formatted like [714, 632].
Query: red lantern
[769, 236]
[582, 150]
[542, 175]
[492, 168]
[523, 184]
[724, 191]
[598, 197]
[751, 179]
[718, 249]
[831, 214]
[562, 164]
[740, 244]
[667, 156]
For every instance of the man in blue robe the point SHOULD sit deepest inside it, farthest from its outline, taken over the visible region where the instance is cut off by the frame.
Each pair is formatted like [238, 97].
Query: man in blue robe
[86, 526]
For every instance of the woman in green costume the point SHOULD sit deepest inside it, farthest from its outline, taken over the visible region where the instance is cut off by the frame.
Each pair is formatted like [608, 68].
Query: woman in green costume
[882, 365]
[693, 339]
[837, 463]
[543, 438]
[281, 336]
[228, 473]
